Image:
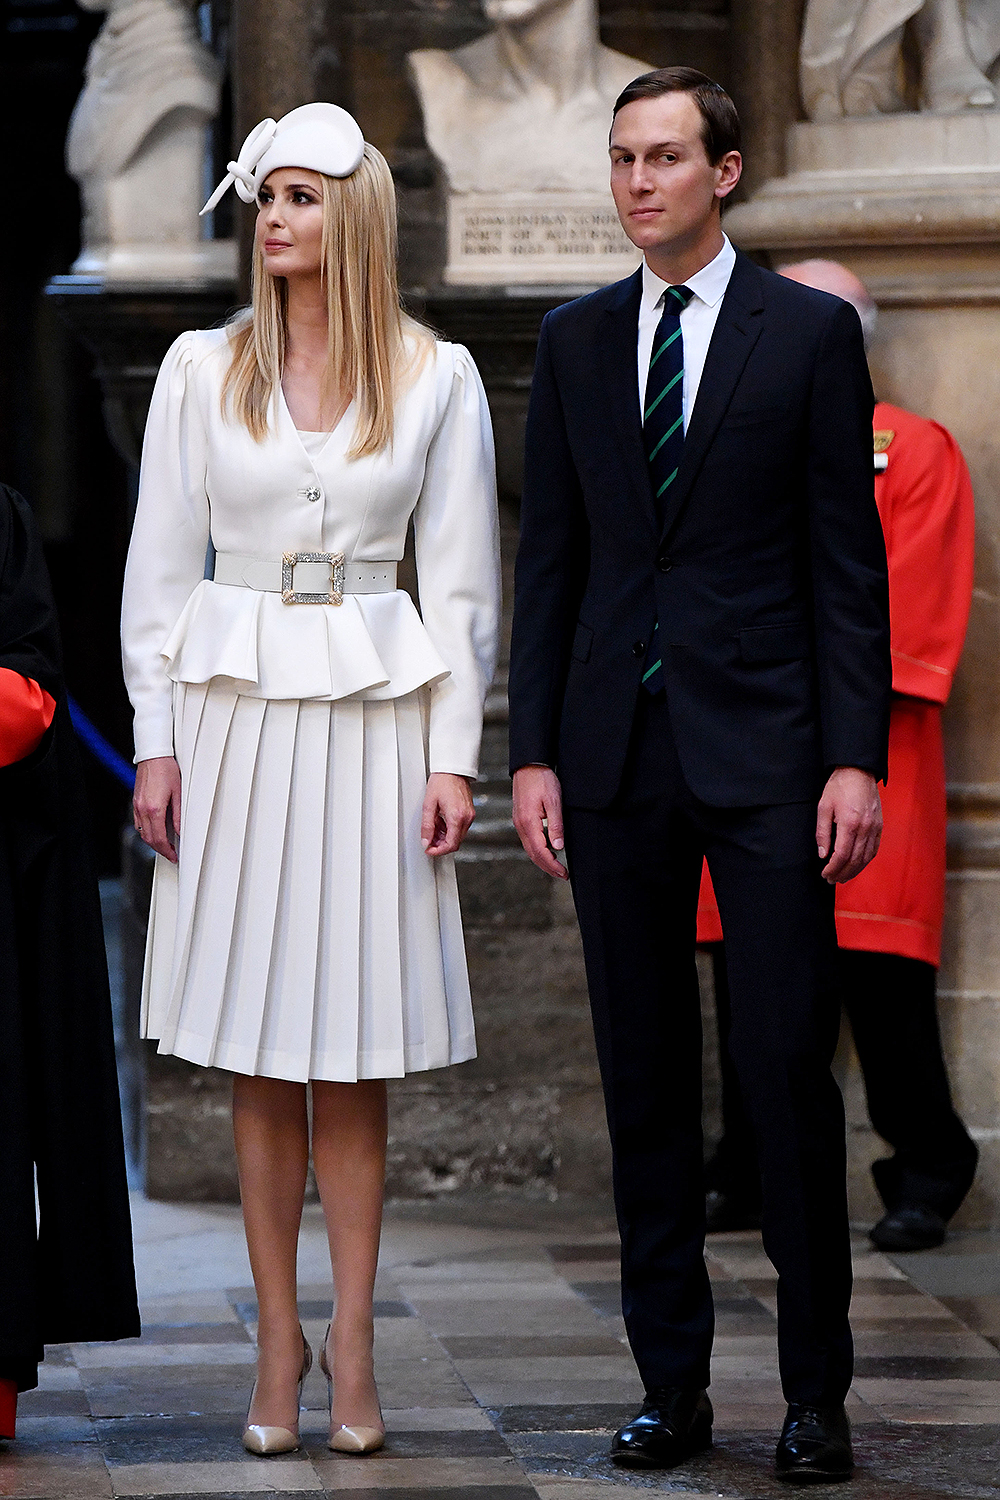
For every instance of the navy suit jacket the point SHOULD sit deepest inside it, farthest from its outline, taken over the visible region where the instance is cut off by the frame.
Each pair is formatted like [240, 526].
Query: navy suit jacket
[766, 571]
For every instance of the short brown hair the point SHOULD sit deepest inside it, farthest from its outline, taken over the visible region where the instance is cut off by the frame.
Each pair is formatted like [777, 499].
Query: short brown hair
[720, 124]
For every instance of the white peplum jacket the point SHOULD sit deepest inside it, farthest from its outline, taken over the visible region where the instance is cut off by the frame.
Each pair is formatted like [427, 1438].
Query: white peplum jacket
[207, 484]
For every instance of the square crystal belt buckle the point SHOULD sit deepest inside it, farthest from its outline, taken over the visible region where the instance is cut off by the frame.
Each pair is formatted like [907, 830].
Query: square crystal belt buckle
[335, 562]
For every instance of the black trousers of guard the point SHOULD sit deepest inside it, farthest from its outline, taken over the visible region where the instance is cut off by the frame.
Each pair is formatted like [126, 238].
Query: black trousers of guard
[635, 868]
[891, 1003]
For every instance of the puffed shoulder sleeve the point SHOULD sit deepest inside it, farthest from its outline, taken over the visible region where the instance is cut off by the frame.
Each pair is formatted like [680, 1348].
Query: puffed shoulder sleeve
[456, 533]
[166, 557]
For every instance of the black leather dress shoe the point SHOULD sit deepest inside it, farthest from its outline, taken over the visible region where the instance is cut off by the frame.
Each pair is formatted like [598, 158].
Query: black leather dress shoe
[672, 1425]
[815, 1445]
[909, 1227]
[725, 1212]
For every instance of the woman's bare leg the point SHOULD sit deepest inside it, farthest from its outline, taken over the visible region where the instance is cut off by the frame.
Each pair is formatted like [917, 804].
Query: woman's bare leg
[348, 1146]
[271, 1131]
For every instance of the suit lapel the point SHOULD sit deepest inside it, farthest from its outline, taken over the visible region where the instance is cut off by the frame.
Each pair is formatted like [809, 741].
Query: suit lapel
[616, 345]
[736, 332]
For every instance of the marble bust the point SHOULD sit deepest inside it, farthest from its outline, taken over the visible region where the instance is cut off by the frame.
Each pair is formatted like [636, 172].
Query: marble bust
[851, 58]
[136, 144]
[527, 107]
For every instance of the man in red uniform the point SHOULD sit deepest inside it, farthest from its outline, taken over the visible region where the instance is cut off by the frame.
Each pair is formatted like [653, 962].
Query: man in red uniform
[889, 917]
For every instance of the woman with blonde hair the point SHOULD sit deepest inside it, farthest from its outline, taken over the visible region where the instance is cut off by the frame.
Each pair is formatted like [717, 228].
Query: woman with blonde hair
[305, 740]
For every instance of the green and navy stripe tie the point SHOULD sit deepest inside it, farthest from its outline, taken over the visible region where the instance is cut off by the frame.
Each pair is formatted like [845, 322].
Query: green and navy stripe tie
[663, 430]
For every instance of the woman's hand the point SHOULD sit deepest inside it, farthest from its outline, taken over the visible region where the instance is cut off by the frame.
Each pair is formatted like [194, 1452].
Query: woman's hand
[448, 813]
[156, 804]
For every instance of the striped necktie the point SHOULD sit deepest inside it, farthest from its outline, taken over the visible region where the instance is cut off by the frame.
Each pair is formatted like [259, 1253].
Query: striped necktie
[663, 430]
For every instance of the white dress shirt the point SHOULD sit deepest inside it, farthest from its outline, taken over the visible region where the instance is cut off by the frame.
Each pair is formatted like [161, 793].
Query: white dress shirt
[697, 320]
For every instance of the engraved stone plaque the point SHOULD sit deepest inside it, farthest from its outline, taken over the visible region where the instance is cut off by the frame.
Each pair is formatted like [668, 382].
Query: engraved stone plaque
[547, 239]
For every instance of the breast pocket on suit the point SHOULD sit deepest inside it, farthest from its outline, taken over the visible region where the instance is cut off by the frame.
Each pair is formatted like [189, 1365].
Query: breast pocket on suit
[787, 642]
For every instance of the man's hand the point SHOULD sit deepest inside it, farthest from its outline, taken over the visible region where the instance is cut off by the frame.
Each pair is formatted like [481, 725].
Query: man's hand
[537, 806]
[156, 804]
[448, 813]
[850, 803]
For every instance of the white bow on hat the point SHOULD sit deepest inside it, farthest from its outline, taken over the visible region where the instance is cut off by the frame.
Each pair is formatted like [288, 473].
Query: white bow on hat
[320, 137]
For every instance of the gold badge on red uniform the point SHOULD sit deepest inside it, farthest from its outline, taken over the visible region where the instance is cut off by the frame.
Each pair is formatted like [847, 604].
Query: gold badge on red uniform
[883, 437]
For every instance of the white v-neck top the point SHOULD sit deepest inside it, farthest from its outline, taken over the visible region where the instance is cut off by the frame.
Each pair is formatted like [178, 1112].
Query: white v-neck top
[205, 480]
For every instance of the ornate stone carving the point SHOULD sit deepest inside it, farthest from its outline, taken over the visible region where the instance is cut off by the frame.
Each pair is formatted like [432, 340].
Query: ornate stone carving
[852, 64]
[519, 120]
[136, 146]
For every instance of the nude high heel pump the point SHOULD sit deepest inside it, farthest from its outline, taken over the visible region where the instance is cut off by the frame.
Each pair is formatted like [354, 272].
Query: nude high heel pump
[267, 1441]
[356, 1440]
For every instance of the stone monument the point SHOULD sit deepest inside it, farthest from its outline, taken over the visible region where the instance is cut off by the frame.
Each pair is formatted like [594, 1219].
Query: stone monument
[519, 121]
[852, 55]
[909, 199]
[137, 147]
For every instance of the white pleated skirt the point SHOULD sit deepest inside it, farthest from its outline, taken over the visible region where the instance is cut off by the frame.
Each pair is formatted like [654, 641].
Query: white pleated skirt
[303, 932]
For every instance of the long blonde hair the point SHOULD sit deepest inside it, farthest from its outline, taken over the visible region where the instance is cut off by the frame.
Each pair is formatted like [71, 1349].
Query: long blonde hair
[366, 353]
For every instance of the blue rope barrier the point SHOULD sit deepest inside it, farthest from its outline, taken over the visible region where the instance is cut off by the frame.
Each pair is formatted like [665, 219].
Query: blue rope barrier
[100, 748]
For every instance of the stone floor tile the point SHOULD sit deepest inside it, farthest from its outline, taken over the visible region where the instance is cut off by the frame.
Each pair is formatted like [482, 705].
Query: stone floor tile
[58, 1377]
[429, 1445]
[979, 1313]
[174, 1439]
[522, 1491]
[42, 1403]
[499, 1271]
[591, 1270]
[45, 1433]
[880, 1393]
[420, 1383]
[462, 1347]
[614, 1368]
[33, 1469]
[560, 1392]
[933, 1367]
[162, 1356]
[252, 1477]
[206, 1305]
[422, 1293]
[944, 1415]
[587, 1417]
[185, 1333]
[167, 1391]
[385, 1471]
[608, 1249]
[469, 1418]
[763, 1344]
[942, 1341]
[521, 1318]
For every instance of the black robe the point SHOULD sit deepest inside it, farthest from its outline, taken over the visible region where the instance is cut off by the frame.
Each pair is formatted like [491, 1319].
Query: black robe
[72, 1277]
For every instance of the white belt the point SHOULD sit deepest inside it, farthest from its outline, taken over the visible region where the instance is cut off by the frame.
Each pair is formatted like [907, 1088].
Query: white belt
[305, 577]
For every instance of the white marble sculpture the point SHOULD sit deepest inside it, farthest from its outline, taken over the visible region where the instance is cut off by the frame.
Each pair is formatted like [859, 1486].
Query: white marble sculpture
[519, 120]
[136, 146]
[851, 59]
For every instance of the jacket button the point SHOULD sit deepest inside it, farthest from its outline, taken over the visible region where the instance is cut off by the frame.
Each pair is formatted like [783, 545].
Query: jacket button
[312, 493]
[639, 649]
[663, 563]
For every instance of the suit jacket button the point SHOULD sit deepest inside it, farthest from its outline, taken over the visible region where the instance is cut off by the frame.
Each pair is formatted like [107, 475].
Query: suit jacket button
[663, 563]
[639, 649]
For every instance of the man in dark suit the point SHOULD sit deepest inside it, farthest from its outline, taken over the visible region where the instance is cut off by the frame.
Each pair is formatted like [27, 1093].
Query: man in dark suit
[700, 666]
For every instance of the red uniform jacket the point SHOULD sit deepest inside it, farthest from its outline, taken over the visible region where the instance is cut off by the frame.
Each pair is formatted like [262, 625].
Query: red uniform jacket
[26, 711]
[925, 501]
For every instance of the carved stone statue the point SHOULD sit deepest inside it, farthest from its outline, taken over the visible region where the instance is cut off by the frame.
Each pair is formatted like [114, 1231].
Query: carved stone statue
[519, 120]
[136, 144]
[527, 107]
[851, 60]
